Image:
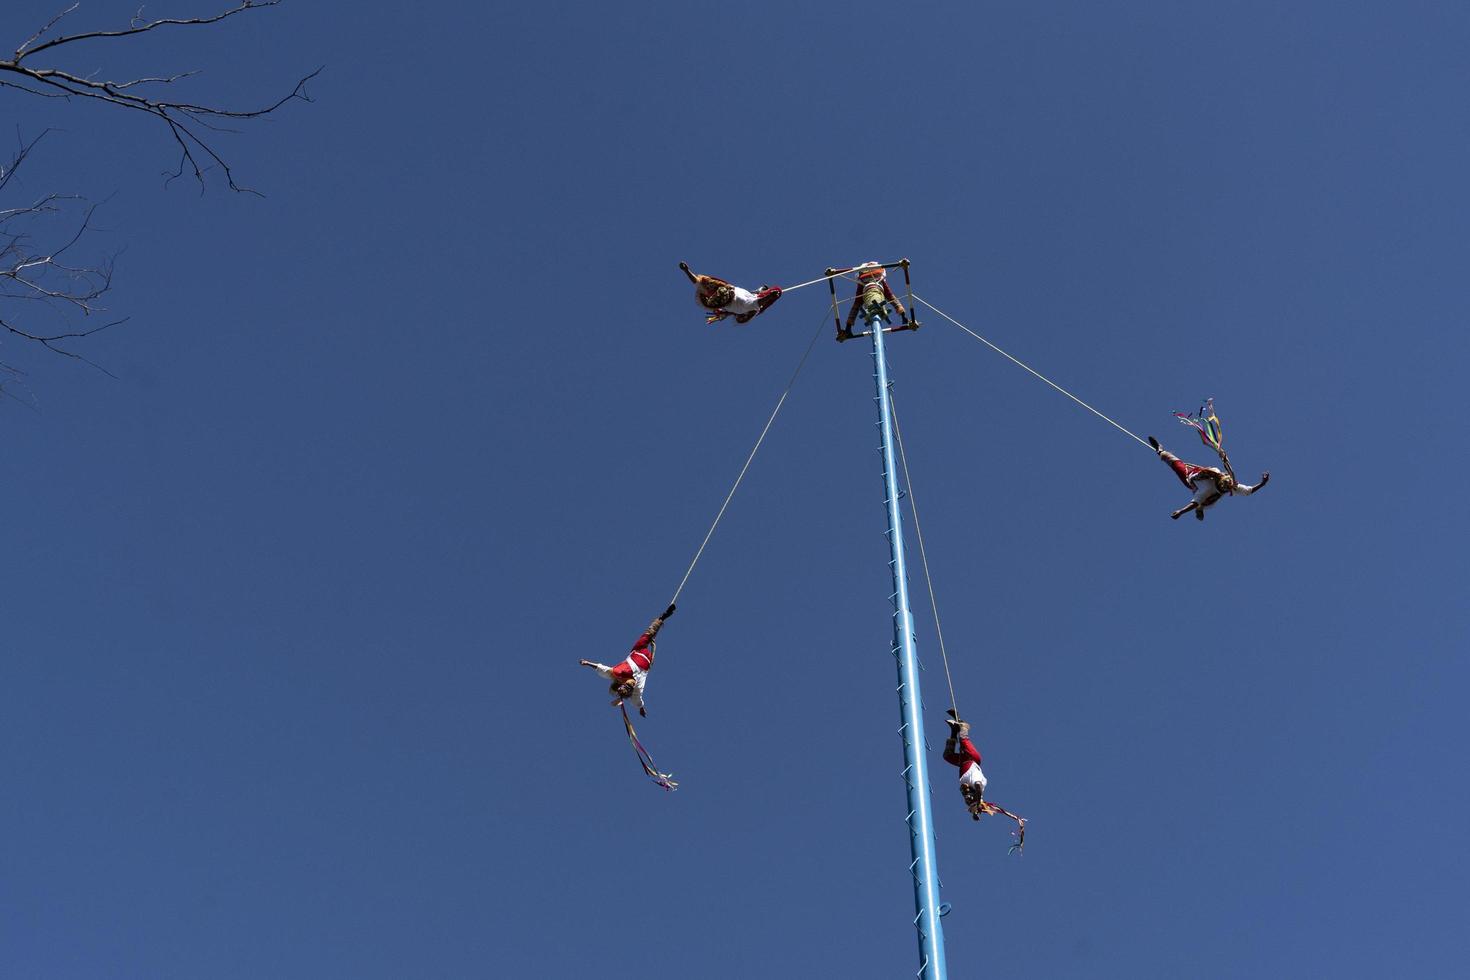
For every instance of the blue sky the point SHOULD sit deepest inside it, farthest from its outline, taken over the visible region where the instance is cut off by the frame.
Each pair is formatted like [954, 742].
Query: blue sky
[293, 604]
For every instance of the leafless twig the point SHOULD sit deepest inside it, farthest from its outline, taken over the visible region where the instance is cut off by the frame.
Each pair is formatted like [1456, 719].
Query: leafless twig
[38, 278]
[36, 241]
[185, 121]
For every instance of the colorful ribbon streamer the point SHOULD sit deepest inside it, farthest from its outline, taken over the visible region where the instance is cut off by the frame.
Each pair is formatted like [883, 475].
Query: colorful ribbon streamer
[645, 760]
[1207, 424]
[1019, 847]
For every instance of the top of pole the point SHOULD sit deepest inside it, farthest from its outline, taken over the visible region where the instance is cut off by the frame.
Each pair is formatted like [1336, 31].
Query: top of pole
[874, 295]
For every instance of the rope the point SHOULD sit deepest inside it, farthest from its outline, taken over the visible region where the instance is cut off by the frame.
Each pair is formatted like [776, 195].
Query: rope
[729, 496]
[923, 554]
[1034, 372]
[803, 285]
[977, 806]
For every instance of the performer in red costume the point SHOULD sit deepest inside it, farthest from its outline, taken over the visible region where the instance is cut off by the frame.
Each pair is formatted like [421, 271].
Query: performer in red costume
[722, 299]
[626, 680]
[959, 751]
[1209, 484]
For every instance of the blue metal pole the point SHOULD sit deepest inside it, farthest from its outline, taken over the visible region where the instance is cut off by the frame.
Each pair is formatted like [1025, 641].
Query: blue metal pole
[915, 765]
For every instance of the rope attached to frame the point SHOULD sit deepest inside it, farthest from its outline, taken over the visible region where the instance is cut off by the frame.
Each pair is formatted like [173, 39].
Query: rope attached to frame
[755, 449]
[923, 553]
[1034, 372]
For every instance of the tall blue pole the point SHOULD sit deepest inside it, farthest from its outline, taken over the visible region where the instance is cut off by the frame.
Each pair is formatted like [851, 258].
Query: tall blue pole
[911, 704]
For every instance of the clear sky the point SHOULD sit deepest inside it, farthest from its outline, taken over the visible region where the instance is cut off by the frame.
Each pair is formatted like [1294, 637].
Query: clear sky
[293, 605]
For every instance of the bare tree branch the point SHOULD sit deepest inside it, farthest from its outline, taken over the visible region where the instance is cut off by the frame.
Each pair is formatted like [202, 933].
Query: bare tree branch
[6, 172]
[37, 237]
[35, 271]
[44, 28]
[160, 80]
[184, 120]
[139, 26]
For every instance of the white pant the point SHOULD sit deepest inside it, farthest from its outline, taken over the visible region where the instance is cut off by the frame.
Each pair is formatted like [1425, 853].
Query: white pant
[744, 302]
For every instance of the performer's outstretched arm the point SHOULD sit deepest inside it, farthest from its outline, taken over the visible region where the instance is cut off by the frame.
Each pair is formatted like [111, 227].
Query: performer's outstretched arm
[1248, 490]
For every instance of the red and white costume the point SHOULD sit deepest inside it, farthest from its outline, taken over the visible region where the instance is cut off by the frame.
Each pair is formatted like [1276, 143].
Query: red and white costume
[722, 299]
[745, 305]
[635, 667]
[1207, 482]
[962, 753]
